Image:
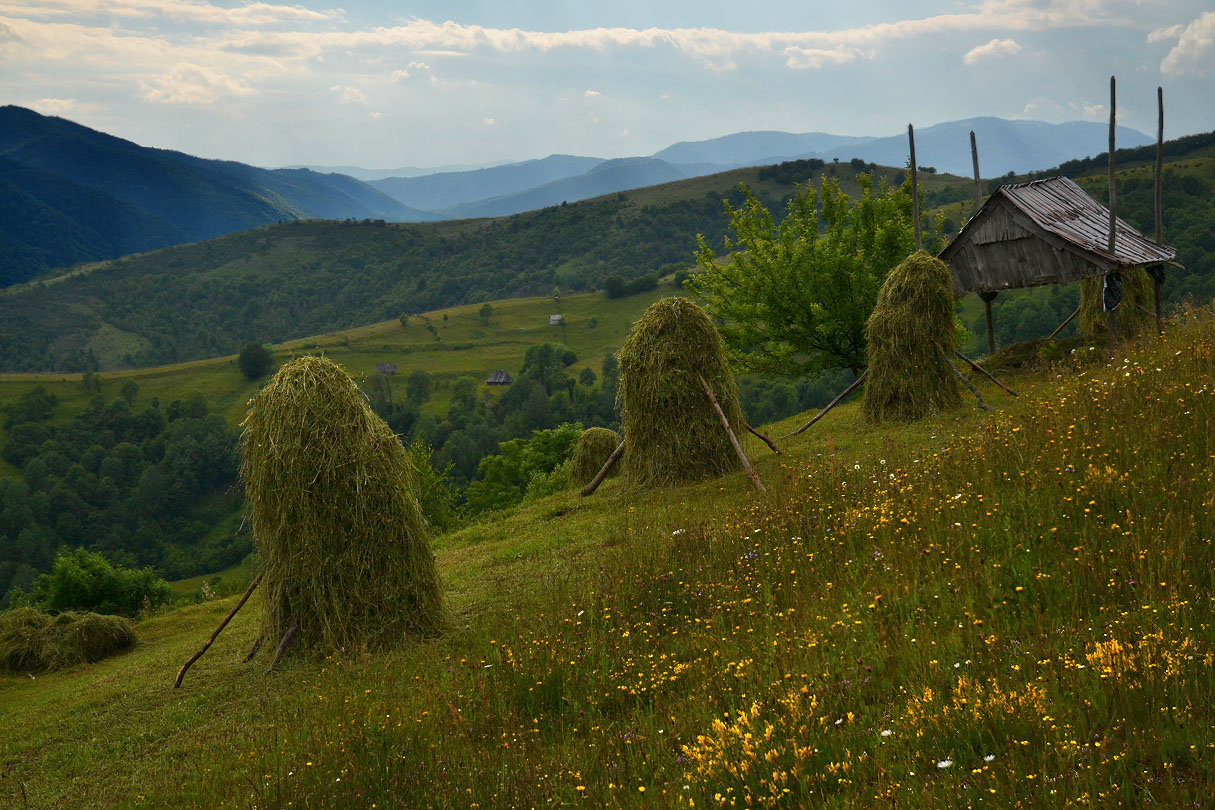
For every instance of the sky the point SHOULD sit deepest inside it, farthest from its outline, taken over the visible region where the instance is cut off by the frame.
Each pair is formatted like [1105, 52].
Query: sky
[390, 84]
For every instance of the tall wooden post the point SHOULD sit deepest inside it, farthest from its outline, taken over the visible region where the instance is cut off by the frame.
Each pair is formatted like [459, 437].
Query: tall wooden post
[991, 296]
[1158, 276]
[915, 191]
[1112, 315]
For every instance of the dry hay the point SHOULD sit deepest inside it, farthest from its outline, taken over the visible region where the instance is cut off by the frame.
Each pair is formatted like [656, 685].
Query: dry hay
[594, 446]
[35, 642]
[914, 314]
[1136, 313]
[672, 434]
[345, 548]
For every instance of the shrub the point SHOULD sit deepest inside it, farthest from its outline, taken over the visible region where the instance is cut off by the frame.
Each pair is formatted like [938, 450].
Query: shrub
[85, 580]
[255, 360]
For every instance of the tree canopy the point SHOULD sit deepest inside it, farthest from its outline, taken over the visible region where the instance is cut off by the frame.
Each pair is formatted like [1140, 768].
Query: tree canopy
[793, 297]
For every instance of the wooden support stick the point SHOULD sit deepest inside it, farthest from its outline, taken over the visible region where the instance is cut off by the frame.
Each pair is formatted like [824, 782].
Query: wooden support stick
[1059, 328]
[830, 405]
[945, 359]
[974, 156]
[607, 467]
[1157, 278]
[257, 645]
[763, 438]
[181, 673]
[1113, 195]
[991, 328]
[282, 645]
[730, 432]
[986, 373]
[915, 194]
[1111, 320]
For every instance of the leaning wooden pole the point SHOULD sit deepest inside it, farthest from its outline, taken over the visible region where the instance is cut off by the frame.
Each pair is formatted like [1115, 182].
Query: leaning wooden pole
[830, 405]
[730, 432]
[945, 359]
[1112, 315]
[915, 192]
[763, 438]
[986, 373]
[1158, 276]
[604, 470]
[1066, 321]
[181, 673]
[987, 298]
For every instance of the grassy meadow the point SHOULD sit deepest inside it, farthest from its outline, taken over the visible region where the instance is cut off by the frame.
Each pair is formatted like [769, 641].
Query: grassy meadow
[1004, 609]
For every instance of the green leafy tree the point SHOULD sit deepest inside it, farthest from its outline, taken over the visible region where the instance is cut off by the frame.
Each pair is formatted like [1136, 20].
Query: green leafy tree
[255, 360]
[485, 312]
[794, 297]
[418, 385]
[84, 580]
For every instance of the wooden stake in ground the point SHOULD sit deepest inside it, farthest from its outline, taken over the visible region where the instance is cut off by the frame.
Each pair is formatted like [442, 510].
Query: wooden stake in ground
[1158, 275]
[830, 405]
[986, 373]
[181, 674]
[915, 194]
[763, 438]
[730, 432]
[945, 359]
[1066, 321]
[986, 297]
[607, 468]
[286, 640]
[1112, 314]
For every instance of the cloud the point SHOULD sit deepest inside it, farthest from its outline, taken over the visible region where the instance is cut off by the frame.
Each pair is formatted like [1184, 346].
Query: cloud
[992, 50]
[1194, 53]
[193, 84]
[58, 106]
[1048, 109]
[1162, 34]
[489, 122]
[182, 10]
[814, 58]
[592, 93]
[349, 95]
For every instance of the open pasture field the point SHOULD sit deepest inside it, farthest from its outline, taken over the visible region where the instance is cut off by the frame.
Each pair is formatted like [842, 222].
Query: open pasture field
[1005, 609]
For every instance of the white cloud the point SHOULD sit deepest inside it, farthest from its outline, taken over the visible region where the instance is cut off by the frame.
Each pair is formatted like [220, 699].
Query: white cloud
[1194, 53]
[489, 122]
[375, 115]
[55, 106]
[185, 10]
[592, 93]
[800, 58]
[1048, 109]
[992, 50]
[1162, 34]
[193, 84]
[349, 95]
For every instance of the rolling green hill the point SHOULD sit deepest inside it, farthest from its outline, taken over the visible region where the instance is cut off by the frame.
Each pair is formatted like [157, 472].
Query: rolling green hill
[1006, 609]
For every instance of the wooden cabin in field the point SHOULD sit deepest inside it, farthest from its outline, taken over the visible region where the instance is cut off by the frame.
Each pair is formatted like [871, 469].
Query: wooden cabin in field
[386, 368]
[1043, 232]
[499, 377]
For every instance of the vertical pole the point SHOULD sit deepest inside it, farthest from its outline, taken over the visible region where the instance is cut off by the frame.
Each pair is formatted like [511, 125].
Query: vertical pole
[974, 159]
[1158, 277]
[1112, 315]
[915, 191]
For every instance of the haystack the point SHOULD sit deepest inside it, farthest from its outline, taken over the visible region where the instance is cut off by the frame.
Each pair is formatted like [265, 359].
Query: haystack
[907, 377]
[594, 446]
[672, 434]
[1136, 313]
[346, 552]
[35, 642]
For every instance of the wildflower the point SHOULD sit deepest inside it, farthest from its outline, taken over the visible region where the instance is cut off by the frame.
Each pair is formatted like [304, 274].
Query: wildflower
[989, 757]
[886, 732]
[945, 763]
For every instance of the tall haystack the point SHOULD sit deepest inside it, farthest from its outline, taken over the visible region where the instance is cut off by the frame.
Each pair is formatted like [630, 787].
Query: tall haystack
[672, 434]
[345, 550]
[594, 446]
[1136, 313]
[33, 642]
[907, 377]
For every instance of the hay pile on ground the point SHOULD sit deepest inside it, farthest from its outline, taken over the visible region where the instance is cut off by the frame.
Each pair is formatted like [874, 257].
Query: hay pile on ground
[1136, 313]
[915, 310]
[672, 434]
[336, 521]
[594, 446]
[35, 642]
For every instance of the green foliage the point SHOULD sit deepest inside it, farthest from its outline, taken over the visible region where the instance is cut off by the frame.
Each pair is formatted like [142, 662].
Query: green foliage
[436, 491]
[85, 580]
[672, 434]
[33, 642]
[1136, 313]
[617, 287]
[255, 360]
[594, 446]
[912, 324]
[418, 386]
[35, 405]
[485, 312]
[344, 545]
[503, 480]
[794, 297]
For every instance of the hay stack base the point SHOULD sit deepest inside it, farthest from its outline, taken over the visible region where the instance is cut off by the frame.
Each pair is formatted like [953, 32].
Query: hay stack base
[911, 327]
[346, 554]
[671, 433]
[595, 445]
[1136, 314]
[33, 642]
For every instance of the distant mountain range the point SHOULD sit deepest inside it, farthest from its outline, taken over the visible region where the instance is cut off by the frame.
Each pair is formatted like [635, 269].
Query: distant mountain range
[70, 194]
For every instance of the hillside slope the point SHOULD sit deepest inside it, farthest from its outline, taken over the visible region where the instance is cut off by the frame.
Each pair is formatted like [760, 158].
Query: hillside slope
[1010, 607]
[175, 197]
[434, 192]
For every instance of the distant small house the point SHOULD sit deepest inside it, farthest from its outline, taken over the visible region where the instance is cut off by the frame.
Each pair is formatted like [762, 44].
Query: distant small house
[499, 377]
[386, 368]
[556, 320]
